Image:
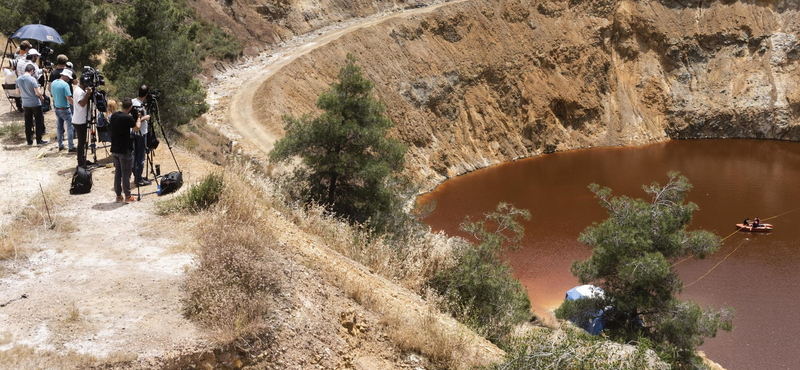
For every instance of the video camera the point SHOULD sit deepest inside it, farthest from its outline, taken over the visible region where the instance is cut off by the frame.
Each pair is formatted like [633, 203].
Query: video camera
[152, 98]
[45, 57]
[92, 78]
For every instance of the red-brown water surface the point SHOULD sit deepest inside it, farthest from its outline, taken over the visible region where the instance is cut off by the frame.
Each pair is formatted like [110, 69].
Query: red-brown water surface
[732, 179]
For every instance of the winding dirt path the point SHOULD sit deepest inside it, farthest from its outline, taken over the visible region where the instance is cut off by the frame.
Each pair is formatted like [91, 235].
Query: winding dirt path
[240, 113]
[238, 119]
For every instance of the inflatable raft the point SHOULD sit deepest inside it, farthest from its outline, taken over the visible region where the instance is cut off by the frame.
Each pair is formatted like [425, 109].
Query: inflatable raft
[762, 228]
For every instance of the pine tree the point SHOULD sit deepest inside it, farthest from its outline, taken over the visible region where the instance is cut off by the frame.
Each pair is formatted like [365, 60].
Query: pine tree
[348, 162]
[632, 259]
[81, 24]
[158, 54]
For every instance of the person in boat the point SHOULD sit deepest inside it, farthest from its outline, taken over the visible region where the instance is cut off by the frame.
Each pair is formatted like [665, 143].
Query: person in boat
[746, 221]
[756, 222]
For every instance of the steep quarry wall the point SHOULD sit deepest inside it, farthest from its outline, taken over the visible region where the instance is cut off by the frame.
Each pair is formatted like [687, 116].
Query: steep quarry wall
[259, 23]
[481, 82]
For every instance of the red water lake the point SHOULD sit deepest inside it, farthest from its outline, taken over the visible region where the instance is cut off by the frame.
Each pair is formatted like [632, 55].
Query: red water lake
[732, 179]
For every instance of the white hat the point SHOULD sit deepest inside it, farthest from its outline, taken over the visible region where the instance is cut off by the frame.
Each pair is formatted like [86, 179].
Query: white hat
[67, 73]
[69, 64]
[33, 52]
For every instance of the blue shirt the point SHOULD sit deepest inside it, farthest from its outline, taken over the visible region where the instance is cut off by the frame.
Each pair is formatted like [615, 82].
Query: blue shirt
[60, 91]
[27, 86]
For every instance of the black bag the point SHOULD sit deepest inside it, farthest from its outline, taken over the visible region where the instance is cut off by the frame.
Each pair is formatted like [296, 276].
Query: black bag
[171, 182]
[152, 139]
[46, 104]
[101, 103]
[81, 181]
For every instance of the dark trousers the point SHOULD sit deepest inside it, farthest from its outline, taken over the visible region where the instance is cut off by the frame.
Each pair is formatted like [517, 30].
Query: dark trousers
[80, 131]
[138, 157]
[122, 174]
[31, 114]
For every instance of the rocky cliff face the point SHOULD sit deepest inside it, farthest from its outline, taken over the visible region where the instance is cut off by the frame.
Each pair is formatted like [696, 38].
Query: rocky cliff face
[259, 23]
[482, 82]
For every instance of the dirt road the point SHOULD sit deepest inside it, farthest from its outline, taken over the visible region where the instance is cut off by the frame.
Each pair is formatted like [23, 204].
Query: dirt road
[244, 81]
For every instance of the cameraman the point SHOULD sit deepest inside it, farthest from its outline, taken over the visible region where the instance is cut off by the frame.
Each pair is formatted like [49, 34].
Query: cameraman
[121, 146]
[80, 114]
[139, 146]
[33, 57]
[22, 58]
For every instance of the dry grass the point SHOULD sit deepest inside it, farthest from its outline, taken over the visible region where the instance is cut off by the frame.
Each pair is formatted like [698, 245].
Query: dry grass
[411, 261]
[205, 140]
[12, 133]
[39, 217]
[16, 356]
[235, 250]
[231, 290]
[73, 314]
[412, 331]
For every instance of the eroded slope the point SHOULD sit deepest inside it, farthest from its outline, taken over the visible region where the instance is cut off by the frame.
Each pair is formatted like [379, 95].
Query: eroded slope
[482, 82]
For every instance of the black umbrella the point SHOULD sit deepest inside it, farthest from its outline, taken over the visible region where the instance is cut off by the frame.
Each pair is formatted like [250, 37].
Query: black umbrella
[38, 32]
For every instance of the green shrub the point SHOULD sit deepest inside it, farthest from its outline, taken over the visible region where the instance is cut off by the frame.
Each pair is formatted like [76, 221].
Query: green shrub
[571, 348]
[200, 196]
[12, 133]
[214, 41]
[480, 289]
[157, 52]
[632, 260]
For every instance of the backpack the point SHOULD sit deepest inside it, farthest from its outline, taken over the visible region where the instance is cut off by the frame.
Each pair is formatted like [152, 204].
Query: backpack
[81, 181]
[46, 104]
[103, 128]
[101, 102]
[152, 139]
[170, 183]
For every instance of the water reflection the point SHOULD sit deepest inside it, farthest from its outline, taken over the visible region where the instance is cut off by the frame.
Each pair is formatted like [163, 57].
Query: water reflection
[732, 179]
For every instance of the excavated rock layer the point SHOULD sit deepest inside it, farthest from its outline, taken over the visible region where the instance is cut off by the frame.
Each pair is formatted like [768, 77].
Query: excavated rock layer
[482, 82]
[258, 23]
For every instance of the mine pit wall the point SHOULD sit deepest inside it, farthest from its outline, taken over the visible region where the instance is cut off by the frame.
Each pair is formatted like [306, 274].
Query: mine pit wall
[258, 24]
[482, 82]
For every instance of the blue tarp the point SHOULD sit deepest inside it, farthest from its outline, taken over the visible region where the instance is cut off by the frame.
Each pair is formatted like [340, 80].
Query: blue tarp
[596, 323]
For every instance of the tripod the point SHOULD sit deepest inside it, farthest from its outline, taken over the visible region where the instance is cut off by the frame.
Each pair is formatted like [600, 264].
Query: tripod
[155, 169]
[91, 132]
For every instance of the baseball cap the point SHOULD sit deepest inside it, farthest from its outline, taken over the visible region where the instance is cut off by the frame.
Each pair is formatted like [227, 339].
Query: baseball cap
[33, 52]
[67, 73]
[69, 64]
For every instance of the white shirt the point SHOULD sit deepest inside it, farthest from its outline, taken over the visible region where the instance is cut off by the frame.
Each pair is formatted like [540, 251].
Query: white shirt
[79, 114]
[21, 63]
[138, 103]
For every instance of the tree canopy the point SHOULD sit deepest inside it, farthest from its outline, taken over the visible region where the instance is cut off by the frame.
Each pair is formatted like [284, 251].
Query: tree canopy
[81, 24]
[158, 54]
[480, 289]
[632, 259]
[348, 163]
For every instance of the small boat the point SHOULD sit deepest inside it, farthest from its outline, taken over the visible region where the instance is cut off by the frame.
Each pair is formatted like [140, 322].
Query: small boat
[762, 228]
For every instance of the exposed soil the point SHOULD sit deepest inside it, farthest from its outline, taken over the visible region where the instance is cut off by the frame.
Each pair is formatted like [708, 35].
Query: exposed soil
[110, 284]
[109, 287]
[481, 82]
[234, 97]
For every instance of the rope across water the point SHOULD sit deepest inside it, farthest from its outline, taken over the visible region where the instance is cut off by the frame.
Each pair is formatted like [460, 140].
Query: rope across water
[731, 252]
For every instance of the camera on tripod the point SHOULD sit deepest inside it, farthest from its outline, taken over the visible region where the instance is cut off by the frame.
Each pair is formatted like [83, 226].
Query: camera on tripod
[45, 56]
[91, 77]
[152, 99]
